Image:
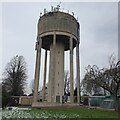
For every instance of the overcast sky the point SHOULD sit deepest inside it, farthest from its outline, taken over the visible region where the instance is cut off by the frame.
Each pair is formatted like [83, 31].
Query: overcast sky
[98, 40]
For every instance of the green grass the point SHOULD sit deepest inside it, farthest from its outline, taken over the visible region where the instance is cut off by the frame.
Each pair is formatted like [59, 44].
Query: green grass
[60, 113]
[75, 113]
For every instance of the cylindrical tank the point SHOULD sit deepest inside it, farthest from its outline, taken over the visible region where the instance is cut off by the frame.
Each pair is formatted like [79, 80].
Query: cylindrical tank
[63, 24]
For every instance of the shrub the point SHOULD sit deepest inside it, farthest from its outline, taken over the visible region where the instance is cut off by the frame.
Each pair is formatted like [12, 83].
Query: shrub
[85, 101]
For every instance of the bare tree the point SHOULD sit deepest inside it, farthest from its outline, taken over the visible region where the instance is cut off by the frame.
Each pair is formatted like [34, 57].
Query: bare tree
[0, 95]
[32, 85]
[108, 79]
[66, 83]
[15, 76]
[0, 88]
[89, 87]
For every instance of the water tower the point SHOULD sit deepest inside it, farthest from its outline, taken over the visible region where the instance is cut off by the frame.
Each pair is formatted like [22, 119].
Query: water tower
[57, 32]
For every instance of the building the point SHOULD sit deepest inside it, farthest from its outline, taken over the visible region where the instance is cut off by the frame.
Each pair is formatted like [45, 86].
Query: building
[57, 32]
[25, 100]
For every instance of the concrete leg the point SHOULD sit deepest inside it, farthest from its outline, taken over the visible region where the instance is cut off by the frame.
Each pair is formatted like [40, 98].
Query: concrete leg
[71, 71]
[37, 70]
[44, 82]
[54, 61]
[78, 72]
[52, 70]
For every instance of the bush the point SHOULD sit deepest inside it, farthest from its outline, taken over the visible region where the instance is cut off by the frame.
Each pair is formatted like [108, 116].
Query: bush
[0, 101]
[85, 101]
[5, 100]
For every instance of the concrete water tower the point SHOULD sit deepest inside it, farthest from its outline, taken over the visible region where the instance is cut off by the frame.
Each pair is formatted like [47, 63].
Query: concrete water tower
[57, 32]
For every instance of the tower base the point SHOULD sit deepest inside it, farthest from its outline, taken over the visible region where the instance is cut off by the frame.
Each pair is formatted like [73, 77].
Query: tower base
[52, 105]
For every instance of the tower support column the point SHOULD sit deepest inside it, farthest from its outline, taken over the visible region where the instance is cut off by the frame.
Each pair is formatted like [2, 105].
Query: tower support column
[52, 70]
[78, 72]
[54, 61]
[71, 71]
[37, 69]
[44, 82]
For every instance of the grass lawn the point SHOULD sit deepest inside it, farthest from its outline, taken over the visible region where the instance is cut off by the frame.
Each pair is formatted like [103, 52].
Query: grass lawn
[60, 113]
[77, 113]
